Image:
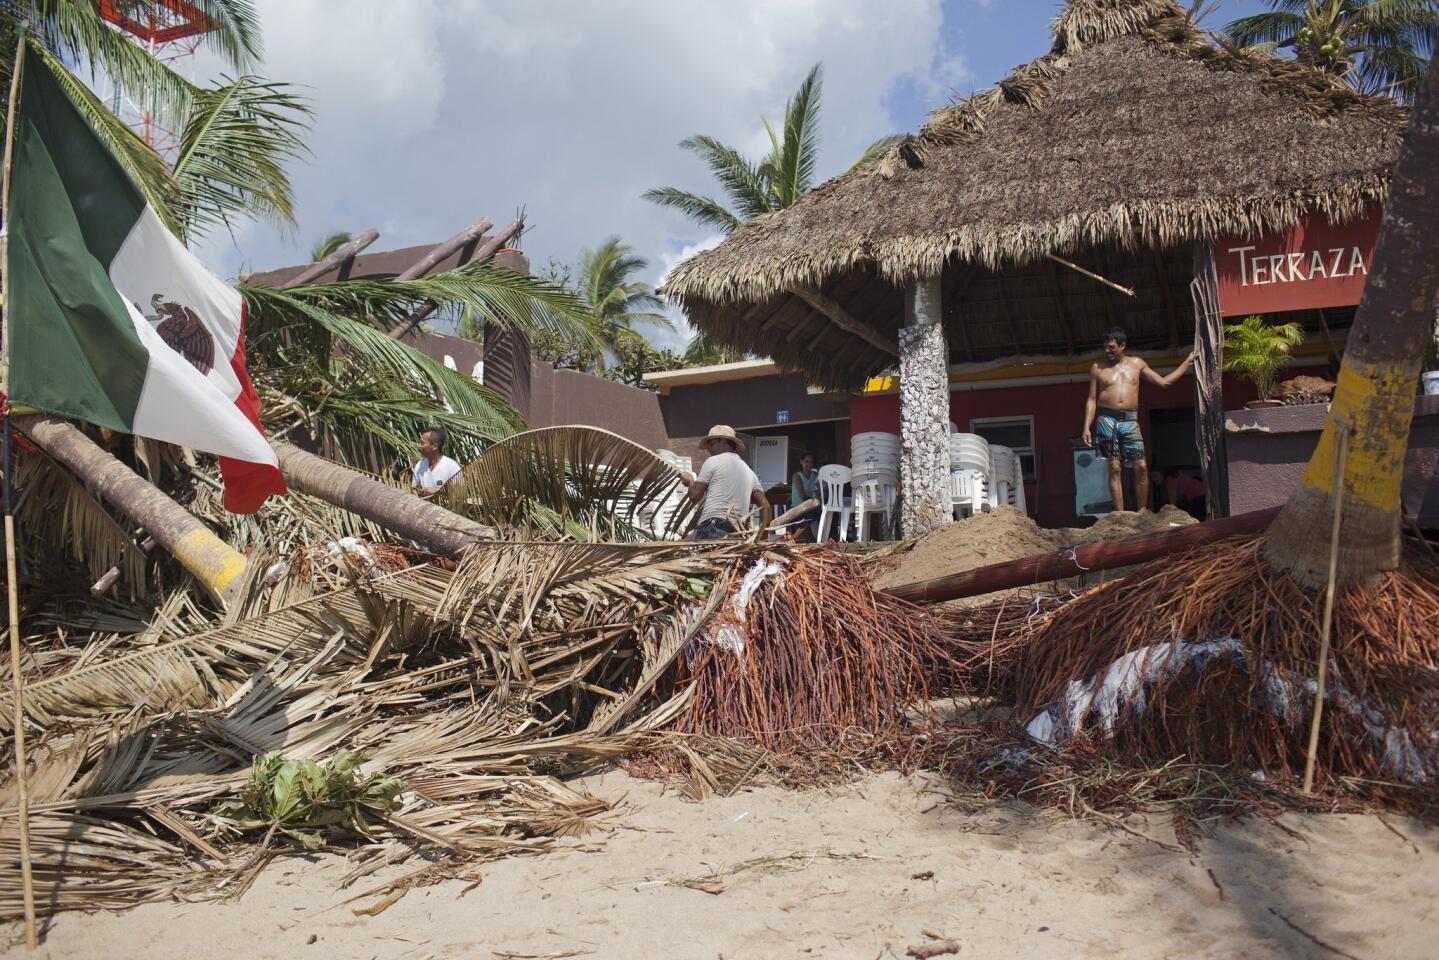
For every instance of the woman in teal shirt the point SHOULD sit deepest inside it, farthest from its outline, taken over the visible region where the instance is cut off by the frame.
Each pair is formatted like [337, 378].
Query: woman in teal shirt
[804, 485]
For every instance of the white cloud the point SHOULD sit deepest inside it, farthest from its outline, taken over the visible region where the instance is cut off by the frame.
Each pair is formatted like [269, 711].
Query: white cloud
[432, 114]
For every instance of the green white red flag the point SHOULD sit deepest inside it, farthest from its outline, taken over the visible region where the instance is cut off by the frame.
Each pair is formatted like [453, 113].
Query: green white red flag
[112, 320]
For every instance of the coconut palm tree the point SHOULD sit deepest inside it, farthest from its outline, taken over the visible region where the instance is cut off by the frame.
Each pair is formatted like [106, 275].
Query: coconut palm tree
[776, 182]
[328, 244]
[1378, 46]
[1374, 402]
[615, 300]
[77, 32]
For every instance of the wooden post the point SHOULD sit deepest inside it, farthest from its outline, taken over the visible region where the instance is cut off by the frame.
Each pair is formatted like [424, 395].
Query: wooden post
[440, 251]
[12, 582]
[1341, 434]
[486, 250]
[924, 409]
[340, 255]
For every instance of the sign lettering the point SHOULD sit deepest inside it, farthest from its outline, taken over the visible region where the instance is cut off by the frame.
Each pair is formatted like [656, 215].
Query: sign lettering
[1315, 265]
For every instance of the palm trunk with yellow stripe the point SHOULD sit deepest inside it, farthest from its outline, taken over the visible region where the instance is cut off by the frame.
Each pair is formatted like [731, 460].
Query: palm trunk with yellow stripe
[1376, 389]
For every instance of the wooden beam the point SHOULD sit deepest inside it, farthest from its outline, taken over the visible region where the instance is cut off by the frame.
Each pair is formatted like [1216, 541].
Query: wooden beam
[486, 250]
[1091, 274]
[1008, 316]
[440, 251]
[1168, 298]
[339, 256]
[841, 318]
[1059, 310]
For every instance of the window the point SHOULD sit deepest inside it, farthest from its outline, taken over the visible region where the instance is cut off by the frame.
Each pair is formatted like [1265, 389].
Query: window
[1016, 433]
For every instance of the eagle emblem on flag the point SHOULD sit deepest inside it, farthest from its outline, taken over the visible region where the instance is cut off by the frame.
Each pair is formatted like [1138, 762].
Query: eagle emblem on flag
[184, 332]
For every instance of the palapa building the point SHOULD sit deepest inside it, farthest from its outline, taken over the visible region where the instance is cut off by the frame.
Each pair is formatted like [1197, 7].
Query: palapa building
[1141, 175]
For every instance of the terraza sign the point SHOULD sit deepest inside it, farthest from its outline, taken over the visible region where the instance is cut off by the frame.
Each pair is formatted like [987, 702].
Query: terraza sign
[1315, 265]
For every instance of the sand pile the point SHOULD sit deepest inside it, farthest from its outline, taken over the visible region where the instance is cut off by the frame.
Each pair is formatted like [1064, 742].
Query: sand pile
[1002, 535]
[1117, 526]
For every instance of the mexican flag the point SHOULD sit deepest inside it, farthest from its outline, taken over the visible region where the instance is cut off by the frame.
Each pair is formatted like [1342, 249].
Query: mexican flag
[111, 319]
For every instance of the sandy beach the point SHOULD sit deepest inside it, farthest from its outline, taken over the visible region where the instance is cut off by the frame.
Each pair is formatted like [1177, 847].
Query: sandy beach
[866, 870]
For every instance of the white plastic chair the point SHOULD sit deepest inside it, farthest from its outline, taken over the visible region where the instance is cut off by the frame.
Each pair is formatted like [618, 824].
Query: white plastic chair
[874, 492]
[1001, 489]
[833, 478]
[967, 494]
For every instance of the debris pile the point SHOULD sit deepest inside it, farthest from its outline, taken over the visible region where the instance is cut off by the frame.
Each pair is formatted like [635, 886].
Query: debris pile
[1212, 656]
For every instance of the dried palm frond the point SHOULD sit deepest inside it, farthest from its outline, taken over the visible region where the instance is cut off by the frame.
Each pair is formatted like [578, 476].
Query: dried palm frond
[609, 485]
[1211, 655]
[54, 507]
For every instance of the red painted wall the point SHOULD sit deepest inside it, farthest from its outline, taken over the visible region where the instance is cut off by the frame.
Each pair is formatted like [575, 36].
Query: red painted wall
[1058, 411]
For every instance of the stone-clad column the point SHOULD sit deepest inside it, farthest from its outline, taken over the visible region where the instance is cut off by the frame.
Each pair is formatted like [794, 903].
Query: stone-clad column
[924, 409]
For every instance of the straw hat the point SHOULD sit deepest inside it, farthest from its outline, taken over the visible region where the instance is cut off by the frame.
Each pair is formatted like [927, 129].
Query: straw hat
[721, 432]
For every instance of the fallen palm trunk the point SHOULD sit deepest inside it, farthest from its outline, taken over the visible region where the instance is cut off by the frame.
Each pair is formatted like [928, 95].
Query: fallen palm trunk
[214, 563]
[398, 511]
[1081, 559]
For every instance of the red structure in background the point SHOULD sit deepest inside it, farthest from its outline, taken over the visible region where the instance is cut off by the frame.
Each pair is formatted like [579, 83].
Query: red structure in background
[171, 30]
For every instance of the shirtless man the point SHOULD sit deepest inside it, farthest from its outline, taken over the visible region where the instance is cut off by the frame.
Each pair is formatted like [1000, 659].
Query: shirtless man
[1114, 397]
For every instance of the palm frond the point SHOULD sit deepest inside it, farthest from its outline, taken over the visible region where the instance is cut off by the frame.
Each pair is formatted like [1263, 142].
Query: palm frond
[73, 30]
[877, 149]
[149, 173]
[236, 142]
[328, 244]
[746, 186]
[702, 210]
[1277, 27]
[384, 390]
[591, 476]
[792, 173]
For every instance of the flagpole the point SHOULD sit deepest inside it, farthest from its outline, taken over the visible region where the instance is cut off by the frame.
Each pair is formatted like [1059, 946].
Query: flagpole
[22, 796]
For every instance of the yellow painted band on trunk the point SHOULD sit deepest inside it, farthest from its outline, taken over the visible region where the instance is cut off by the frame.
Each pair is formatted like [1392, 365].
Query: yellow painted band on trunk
[1377, 400]
[210, 559]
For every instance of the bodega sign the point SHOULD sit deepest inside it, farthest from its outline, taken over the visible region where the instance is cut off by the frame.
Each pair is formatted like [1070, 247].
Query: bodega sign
[1315, 265]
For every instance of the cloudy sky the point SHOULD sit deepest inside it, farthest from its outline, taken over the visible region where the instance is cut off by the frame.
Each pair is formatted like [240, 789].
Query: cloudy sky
[433, 113]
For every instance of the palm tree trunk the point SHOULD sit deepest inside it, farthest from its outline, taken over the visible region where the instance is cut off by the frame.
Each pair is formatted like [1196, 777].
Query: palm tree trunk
[214, 563]
[398, 511]
[1375, 395]
[924, 409]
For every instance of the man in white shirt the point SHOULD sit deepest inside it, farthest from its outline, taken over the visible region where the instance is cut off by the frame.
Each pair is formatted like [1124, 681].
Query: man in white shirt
[726, 487]
[434, 469]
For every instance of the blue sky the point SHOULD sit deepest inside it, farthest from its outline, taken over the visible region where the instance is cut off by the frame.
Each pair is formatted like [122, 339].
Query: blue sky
[433, 113]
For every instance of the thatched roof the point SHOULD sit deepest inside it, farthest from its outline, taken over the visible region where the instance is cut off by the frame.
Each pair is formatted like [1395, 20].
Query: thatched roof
[1133, 134]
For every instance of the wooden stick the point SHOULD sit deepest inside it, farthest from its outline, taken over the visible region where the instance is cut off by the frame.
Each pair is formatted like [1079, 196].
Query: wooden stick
[440, 251]
[17, 679]
[340, 255]
[1341, 440]
[485, 251]
[1091, 275]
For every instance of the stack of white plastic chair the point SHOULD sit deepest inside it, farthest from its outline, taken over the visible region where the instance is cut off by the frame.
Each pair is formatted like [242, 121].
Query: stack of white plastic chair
[1008, 486]
[874, 459]
[971, 472]
[833, 501]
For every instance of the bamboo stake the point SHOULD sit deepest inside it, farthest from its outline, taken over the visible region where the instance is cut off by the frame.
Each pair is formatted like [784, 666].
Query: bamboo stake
[17, 680]
[1341, 440]
[1091, 275]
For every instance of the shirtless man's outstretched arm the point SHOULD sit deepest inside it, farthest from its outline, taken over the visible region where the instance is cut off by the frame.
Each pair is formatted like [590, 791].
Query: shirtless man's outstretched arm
[1169, 380]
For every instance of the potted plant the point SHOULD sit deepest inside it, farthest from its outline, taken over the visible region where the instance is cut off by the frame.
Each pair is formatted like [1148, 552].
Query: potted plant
[1256, 350]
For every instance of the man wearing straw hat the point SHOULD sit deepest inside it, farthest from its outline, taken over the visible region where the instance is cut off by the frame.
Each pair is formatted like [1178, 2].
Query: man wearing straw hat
[726, 487]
